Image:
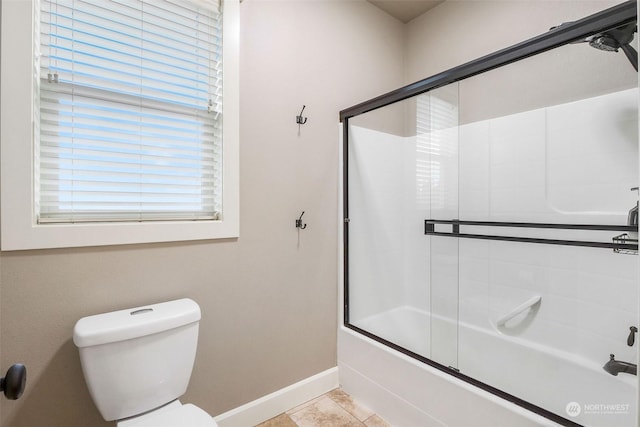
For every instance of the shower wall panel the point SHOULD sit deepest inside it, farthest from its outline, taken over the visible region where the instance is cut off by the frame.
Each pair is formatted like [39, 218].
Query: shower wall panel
[570, 163]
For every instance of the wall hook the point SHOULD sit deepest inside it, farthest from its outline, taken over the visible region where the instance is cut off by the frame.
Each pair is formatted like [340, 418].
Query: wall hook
[632, 335]
[299, 222]
[301, 120]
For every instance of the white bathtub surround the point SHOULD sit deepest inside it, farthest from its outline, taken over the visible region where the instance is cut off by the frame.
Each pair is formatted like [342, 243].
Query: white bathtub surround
[521, 367]
[569, 163]
[408, 393]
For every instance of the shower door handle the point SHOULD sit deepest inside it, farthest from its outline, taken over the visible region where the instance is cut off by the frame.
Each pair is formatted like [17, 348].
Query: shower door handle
[519, 309]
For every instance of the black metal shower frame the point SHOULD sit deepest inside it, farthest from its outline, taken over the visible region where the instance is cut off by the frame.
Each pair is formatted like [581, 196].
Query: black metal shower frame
[624, 13]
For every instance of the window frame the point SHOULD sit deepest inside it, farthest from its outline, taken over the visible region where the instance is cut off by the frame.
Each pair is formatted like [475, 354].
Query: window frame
[18, 224]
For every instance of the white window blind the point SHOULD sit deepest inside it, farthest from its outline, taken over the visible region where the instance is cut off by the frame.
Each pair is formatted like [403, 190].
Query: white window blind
[130, 111]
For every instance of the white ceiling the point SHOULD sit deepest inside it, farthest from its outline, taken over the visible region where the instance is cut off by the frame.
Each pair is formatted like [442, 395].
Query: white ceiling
[405, 10]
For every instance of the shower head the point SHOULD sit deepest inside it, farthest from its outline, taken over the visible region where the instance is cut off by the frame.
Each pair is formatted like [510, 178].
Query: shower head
[604, 42]
[612, 40]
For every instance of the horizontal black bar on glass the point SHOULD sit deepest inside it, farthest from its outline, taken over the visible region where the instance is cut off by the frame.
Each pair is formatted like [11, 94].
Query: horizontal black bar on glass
[592, 227]
[429, 229]
[609, 18]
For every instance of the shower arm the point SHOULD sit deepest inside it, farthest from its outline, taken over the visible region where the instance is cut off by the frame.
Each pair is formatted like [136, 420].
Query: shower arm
[631, 53]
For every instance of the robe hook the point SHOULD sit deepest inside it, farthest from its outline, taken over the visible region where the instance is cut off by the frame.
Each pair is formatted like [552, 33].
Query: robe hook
[299, 222]
[299, 119]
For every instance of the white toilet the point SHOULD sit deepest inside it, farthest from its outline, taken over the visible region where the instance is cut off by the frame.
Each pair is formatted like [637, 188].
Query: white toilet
[138, 362]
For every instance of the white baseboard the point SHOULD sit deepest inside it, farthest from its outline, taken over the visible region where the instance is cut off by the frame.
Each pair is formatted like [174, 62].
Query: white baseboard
[273, 404]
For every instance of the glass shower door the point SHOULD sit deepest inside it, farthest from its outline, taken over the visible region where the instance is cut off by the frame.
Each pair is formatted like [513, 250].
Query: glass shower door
[388, 294]
[437, 141]
[403, 285]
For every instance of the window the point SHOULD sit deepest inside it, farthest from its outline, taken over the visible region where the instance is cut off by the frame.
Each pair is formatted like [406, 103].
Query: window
[130, 111]
[134, 136]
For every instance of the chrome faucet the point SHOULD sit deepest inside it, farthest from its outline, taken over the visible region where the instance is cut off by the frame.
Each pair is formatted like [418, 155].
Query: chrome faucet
[614, 367]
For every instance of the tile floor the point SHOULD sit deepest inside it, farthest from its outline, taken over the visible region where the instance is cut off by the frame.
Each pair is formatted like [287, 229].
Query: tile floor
[334, 409]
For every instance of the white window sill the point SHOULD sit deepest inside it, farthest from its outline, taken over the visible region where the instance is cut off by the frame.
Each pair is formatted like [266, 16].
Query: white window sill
[87, 234]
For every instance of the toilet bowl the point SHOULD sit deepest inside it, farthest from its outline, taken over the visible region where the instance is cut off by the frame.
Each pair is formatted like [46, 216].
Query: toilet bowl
[137, 363]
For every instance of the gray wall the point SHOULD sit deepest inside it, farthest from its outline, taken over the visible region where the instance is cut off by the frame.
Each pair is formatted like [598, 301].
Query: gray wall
[268, 298]
[456, 32]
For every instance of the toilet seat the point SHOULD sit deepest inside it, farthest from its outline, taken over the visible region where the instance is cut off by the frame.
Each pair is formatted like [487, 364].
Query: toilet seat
[174, 414]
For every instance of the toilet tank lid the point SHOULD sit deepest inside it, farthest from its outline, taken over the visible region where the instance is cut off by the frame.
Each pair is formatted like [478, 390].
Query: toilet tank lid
[134, 322]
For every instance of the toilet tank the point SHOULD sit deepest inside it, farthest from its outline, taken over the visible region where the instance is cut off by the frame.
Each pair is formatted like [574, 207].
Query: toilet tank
[138, 359]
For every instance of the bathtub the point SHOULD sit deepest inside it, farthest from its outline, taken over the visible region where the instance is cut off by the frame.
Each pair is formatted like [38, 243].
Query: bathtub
[407, 392]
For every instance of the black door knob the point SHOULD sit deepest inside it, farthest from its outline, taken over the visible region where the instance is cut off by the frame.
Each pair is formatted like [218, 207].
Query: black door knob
[14, 381]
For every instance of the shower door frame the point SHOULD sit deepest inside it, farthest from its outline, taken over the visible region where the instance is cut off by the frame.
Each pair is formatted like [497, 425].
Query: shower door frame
[624, 13]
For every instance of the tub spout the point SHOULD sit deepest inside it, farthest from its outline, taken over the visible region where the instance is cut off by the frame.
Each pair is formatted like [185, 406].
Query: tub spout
[614, 367]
